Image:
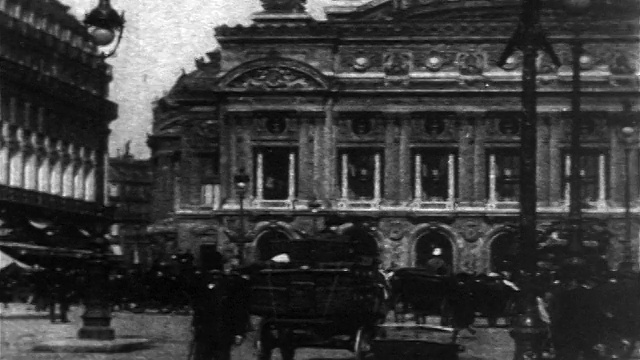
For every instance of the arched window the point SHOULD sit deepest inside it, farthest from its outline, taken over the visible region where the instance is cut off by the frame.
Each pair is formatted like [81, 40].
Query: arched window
[504, 251]
[434, 252]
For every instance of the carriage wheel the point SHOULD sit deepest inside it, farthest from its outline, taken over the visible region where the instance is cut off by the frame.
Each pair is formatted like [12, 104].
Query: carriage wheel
[362, 347]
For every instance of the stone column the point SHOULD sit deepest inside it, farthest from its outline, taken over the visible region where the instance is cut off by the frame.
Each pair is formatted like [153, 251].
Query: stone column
[68, 172]
[259, 180]
[90, 182]
[556, 161]
[616, 170]
[5, 146]
[56, 170]
[44, 166]
[404, 160]
[31, 162]
[329, 163]
[543, 167]
[391, 160]
[292, 176]
[78, 187]
[318, 187]
[16, 155]
[479, 161]
[305, 160]
[466, 161]
[245, 152]
[225, 174]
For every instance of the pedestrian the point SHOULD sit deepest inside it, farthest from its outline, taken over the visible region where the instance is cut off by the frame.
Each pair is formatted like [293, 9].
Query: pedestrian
[59, 294]
[460, 299]
[220, 313]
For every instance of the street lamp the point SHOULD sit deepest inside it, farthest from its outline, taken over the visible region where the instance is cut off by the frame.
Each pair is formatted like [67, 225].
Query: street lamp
[241, 181]
[104, 24]
[576, 8]
[528, 331]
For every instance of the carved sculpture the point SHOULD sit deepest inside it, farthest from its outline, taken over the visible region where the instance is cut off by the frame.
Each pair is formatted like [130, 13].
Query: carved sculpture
[471, 63]
[272, 78]
[396, 64]
[213, 64]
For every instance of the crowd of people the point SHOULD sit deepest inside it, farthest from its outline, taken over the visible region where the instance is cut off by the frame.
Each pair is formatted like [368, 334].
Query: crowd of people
[576, 305]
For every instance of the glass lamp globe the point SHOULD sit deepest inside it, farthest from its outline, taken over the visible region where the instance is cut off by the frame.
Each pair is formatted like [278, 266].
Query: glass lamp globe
[102, 37]
[627, 133]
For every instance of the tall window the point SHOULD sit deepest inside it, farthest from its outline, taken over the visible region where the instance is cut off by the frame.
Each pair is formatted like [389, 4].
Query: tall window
[208, 164]
[434, 174]
[360, 172]
[504, 175]
[593, 176]
[275, 173]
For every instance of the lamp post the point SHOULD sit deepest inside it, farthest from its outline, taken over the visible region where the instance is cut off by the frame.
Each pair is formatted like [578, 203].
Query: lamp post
[241, 181]
[103, 24]
[575, 8]
[528, 330]
[627, 133]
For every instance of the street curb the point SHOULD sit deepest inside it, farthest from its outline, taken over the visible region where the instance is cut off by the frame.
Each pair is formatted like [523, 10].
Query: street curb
[23, 316]
[73, 345]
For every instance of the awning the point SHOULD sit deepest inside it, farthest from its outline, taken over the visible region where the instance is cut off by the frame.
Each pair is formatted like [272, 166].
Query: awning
[6, 260]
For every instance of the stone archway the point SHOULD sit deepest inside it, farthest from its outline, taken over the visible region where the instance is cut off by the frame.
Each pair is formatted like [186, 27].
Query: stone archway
[272, 241]
[503, 252]
[434, 251]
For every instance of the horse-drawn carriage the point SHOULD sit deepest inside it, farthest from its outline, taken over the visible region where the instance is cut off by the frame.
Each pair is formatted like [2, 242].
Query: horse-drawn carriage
[328, 296]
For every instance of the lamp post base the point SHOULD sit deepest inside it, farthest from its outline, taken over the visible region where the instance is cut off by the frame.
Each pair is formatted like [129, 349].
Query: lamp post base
[96, 324]
[529, 331]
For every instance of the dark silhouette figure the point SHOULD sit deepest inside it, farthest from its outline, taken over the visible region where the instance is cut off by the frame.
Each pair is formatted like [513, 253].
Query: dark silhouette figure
[59, 294]
[220, 313]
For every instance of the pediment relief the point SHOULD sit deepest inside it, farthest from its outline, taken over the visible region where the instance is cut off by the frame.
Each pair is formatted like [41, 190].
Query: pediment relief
[274, 74]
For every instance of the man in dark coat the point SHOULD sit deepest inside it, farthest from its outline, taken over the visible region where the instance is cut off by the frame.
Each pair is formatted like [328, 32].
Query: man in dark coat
[220, 313]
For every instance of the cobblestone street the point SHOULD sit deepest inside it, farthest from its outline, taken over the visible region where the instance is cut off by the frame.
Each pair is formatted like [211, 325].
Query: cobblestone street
[170, 335]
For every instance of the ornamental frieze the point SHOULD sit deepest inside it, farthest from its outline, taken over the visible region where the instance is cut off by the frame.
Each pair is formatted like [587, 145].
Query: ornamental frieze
[503, 126]
[433, 126]
[593, 128]
[362, 126]
[274, 78]
[276, 125]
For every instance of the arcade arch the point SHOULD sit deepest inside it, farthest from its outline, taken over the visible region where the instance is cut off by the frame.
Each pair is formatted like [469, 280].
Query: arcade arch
[272, 241]
[503, 252]
[434, 251]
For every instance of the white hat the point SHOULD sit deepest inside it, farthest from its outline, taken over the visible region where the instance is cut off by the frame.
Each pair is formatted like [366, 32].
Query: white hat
[281, 258]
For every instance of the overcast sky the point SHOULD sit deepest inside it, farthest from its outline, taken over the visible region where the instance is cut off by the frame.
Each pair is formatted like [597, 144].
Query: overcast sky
[161, 38]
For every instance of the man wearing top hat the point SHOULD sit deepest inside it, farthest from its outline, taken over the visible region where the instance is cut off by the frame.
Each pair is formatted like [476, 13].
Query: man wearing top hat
[220, 311]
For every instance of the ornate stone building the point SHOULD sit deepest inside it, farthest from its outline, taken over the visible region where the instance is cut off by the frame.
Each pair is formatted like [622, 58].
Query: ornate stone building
[54, 116]
[392, 120]
[129, 192]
